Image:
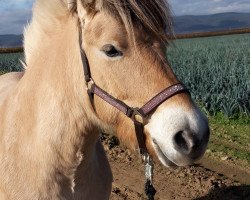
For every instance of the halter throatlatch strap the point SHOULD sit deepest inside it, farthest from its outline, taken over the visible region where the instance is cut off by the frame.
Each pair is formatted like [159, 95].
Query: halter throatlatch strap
[138, 115]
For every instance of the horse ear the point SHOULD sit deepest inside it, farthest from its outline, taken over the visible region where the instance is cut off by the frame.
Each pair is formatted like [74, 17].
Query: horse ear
[87, 5]
[87, 8]
[71, 4]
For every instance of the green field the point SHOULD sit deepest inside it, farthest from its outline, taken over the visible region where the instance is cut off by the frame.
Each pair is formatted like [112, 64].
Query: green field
[10, 62]
[217, 72]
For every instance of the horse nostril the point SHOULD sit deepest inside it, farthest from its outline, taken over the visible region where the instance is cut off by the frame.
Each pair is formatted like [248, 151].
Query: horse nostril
[185, 142]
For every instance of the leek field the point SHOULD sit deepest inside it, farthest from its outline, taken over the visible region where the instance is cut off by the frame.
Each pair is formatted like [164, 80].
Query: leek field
[10, 62]
[217, 72]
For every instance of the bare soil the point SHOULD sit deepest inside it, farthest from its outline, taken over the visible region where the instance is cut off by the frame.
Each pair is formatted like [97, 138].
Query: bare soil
[208, 179]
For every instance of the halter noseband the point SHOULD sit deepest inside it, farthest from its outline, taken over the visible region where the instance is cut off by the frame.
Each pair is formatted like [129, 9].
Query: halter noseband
[138, 115]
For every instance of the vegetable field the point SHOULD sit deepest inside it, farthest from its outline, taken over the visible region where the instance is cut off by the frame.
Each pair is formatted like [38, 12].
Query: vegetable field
[215, 69]
[10, 62]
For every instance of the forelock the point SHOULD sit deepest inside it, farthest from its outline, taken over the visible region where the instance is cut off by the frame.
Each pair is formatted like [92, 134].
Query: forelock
[153, 15]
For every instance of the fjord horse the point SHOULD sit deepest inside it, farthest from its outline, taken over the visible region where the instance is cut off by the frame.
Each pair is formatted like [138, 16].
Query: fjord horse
[49, 127]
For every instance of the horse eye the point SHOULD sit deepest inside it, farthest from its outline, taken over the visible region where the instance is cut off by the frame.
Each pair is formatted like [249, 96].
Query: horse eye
[111, 51]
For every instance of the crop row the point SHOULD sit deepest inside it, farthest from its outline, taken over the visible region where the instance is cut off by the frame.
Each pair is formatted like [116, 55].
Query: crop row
[216, 70]
[11, 62]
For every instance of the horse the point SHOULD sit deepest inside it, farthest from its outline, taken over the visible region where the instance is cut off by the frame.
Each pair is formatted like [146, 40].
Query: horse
[50, 124]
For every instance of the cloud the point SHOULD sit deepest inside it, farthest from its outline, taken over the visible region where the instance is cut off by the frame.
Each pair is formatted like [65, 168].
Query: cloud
[15, 4]
[233, 7]
[14, 25]
[14, 15]
[201, 7]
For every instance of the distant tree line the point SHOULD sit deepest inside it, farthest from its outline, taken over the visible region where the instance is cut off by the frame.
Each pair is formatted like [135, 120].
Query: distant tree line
[211, 34]
[11, 50]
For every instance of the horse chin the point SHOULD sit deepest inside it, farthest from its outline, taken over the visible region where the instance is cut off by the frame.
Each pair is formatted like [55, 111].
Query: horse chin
[167, 161]
[162, 157]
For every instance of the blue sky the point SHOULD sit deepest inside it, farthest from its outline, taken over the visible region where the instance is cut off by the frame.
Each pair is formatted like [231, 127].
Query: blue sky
[14, 14]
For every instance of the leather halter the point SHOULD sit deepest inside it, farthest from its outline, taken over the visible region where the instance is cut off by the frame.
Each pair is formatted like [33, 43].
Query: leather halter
[138, 115]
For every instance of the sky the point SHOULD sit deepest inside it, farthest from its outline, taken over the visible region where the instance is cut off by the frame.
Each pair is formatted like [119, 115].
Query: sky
[15, 14]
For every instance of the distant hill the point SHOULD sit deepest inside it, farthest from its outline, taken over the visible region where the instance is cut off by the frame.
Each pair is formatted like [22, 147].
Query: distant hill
[182, 24]
[11, 40]
[210, 23]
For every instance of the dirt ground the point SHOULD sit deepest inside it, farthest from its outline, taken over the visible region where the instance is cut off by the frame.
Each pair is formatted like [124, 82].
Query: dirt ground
[208, 179]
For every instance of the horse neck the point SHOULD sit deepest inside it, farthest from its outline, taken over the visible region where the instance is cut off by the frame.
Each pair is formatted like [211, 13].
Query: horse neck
[54, 78]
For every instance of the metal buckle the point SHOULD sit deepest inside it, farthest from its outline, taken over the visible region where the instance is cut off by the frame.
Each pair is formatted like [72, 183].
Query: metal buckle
[149, 166]
[136, 116]
[89, 84]
[149, 170]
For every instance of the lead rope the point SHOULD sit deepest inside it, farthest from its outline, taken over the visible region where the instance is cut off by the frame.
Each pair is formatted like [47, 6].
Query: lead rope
[149, 168]
[149, 165]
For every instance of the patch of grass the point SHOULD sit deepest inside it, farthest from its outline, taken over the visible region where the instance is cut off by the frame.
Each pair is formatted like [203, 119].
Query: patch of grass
[230, 138]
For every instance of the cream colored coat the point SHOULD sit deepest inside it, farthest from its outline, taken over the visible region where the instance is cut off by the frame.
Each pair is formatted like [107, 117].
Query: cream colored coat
[49, 146]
